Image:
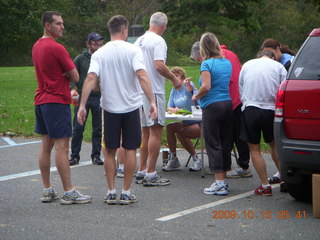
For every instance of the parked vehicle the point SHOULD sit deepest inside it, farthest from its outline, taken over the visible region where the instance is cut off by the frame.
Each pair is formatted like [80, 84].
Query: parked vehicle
[297, 120]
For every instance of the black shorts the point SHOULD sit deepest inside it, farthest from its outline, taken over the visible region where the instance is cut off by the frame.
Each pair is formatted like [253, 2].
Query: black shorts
[128, 124]
[255, 121]
[54, 120]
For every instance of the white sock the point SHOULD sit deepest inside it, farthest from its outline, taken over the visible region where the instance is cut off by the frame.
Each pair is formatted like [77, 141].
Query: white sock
[151, 175]
[277, 175]
[69, 192]
[265, 186]
[128, 192]
[111, 191]
[121, 166]
[220, 182]
[143, 172]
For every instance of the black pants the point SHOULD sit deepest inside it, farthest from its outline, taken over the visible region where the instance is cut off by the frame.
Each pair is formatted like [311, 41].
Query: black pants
[217, 127]
[93, 104]
[242, 146]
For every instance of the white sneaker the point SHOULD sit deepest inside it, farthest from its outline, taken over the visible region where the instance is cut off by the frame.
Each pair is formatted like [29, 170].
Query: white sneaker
[215, 189]
[172, 164]
[239, 173]
[196, 166]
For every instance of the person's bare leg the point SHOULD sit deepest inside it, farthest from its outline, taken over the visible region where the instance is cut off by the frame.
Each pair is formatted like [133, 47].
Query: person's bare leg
[187, 133]
[172, 129]
[258, 162]
[154, 147]
[44, 160]
[129, 168]
[144, 148]
[110, 167]
[121, 155]
[220, 175]
[275, 155]
[62, 162]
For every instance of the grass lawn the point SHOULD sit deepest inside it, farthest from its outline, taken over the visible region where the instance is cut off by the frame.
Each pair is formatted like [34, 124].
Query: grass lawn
[17, 89]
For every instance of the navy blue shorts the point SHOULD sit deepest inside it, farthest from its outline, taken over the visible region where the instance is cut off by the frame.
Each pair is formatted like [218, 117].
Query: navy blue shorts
[187, 123]
[126, 123]
[255, 121]
[54, 120]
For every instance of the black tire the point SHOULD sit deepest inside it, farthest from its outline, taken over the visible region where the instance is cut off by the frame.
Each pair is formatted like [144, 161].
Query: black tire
[302, 191]
[299, 185]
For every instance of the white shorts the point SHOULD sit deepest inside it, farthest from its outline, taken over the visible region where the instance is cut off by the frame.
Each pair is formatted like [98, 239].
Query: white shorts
[144, 111]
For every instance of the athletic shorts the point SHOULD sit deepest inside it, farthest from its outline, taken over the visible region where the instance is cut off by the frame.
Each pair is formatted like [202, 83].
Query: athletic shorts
[255, 121]
[54, 120]
[126, 123]
[144, 111]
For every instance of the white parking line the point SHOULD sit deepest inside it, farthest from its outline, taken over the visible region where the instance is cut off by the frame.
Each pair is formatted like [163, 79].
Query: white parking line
[14, 144]
[9, 141]
[36, 172]
[206, 206]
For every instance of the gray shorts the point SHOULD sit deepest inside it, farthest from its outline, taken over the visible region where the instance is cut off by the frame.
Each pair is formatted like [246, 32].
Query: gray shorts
[144, 111]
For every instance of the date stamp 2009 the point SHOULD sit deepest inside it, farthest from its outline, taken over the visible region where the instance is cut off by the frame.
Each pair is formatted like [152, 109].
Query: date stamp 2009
[283, 214]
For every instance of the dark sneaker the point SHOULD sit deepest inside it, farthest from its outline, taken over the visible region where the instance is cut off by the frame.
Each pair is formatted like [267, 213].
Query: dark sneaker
[97, 161]
[263, 191]
[111, 199]
[139, 177]
[75, 197]
[274, 180]
[127, 199]
[283, 187]
[215, 189]
[155, 181]
[74, 161]
[120, 173]
[49, 195]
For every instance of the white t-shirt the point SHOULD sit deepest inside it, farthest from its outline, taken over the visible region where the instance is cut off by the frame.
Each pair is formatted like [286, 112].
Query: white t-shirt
[116, 64]
[259, 81]
[154, 48]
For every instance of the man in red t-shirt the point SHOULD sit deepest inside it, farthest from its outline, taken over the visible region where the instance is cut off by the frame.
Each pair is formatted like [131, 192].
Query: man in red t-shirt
[54, 71]
[242, 147]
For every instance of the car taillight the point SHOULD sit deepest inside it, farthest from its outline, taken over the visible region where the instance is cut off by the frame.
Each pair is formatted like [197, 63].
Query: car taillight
[280, 99]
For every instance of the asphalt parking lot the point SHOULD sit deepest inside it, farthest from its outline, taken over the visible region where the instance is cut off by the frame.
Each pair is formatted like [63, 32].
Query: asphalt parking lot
[177, 211]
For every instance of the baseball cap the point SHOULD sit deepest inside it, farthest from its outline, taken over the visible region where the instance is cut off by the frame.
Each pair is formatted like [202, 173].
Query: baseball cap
[94, 37]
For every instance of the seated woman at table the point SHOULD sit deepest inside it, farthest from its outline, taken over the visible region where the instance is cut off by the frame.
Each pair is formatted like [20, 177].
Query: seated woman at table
[183, 130]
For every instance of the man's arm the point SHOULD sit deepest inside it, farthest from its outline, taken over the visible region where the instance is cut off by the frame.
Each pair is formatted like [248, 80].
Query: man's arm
[146, 87]
[165, 72]
[73, 75]
[89, 84]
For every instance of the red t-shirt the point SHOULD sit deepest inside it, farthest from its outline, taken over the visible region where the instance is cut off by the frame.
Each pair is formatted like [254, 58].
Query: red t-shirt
[234, 80]
[51, 61]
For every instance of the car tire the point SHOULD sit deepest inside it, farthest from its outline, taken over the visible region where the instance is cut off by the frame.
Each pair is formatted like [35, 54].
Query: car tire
[298, 185]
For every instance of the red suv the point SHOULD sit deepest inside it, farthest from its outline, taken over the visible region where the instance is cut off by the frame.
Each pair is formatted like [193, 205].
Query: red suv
[297, 120]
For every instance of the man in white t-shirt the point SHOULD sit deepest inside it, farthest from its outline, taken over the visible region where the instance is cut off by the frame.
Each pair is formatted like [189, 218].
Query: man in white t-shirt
[120, 66]
[154, 50]
[258, 82]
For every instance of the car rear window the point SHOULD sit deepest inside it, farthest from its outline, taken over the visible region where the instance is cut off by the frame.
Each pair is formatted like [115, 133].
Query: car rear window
[306, 65]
